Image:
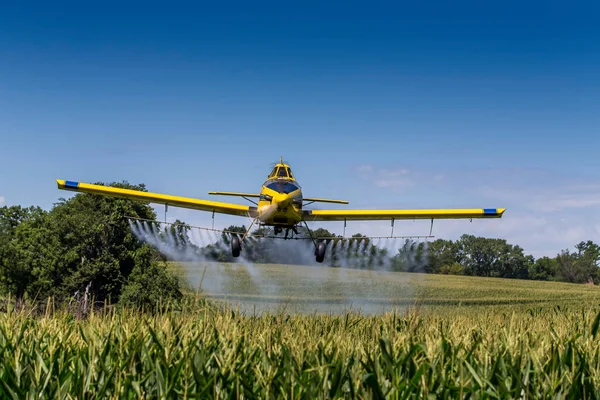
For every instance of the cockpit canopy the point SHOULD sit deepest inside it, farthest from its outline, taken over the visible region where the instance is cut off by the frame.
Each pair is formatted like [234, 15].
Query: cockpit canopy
[281, 172]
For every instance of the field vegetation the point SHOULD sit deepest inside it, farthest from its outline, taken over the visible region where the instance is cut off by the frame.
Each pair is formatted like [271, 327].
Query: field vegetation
[197, 349]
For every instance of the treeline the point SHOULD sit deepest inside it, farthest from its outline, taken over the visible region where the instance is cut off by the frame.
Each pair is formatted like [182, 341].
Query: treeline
[479, 256]
[85, 244]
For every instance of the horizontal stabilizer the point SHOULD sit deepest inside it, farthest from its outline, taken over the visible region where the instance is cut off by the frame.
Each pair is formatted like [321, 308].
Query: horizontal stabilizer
[235, 194]
[316, 200]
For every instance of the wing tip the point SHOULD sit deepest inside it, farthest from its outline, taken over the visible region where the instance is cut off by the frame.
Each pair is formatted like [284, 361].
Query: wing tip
[494, 212]
[63, 184]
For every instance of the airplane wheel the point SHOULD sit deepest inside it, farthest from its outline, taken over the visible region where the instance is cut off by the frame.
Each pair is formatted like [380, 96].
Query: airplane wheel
[320, 252]
[236, 246]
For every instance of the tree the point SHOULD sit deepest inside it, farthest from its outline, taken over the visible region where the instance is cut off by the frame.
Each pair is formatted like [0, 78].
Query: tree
[179, 230]
[588, 258]
[411, 257]
[492, 257]
[544, 269]
[150, 284]
[580, 266]
[441, 253]
[322, 233]
[233, 228]
[568, 267]
[26, 247]
[452, 269]
[476, 255]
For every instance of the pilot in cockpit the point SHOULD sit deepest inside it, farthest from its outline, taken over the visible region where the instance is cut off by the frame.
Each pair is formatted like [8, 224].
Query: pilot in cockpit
[281, 172]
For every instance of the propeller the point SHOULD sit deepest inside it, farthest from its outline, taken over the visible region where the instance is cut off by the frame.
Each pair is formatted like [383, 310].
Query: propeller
[278, 200]
[265, 212]
[281, 161]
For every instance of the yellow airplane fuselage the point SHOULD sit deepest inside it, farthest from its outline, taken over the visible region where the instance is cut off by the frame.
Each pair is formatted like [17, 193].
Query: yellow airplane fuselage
[280, 203]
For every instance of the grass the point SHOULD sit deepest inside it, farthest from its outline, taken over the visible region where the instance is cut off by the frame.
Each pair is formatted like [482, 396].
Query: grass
[508, 339]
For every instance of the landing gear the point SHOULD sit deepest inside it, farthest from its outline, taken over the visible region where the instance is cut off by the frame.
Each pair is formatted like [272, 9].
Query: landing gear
[320, 247]
[320, 251]
[236, 246]
[287, 232]
[236, 242]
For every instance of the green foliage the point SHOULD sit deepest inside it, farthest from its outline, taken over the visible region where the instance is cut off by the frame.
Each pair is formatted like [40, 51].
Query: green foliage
[580, 266]
[544, 269]
[26, 247]
[179, 231]
[150, 285]
[240, 230]
[411, 257]
[322, 233]
[493, 257]
[441, 253]
[452, 269]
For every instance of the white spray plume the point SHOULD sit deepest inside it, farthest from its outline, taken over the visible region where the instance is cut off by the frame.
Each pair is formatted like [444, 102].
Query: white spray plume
[192, 249]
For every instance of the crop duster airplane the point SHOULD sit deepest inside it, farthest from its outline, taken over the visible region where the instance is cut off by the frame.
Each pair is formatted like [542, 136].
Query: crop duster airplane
[280, 205]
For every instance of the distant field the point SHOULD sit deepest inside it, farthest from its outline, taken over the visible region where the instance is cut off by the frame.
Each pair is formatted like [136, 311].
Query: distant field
[323, 289]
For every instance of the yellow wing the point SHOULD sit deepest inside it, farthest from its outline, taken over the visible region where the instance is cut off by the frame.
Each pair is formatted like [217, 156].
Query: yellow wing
[176, 201]
[341, 215]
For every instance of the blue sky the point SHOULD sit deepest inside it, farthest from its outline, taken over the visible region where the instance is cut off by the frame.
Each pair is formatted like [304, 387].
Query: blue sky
[434, 105]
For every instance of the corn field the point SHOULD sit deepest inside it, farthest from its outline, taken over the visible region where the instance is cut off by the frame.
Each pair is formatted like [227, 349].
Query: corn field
[200, 351]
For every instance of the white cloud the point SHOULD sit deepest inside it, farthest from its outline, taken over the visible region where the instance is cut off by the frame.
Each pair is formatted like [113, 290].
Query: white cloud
[1, 200]
[393, 178]
[548, 198]
[530, 188]
[365, 169]
[567, 201]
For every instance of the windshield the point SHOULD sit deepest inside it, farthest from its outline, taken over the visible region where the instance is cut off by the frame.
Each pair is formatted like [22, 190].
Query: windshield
[283, 187]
